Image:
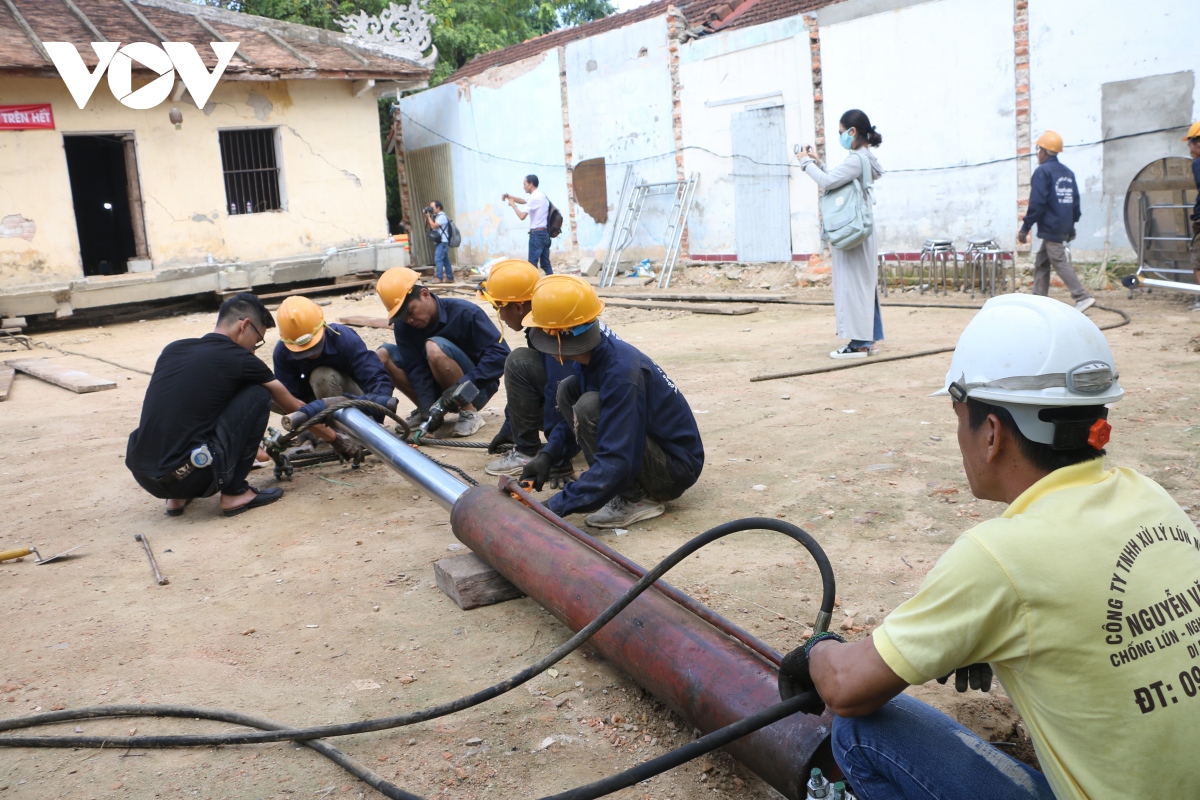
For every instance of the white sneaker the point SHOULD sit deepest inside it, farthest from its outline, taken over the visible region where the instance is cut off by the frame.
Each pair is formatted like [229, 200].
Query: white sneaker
[468, 423]
[621, 513]
[511, 463]
[1196, 305]
[1085, 304]
[846, 352]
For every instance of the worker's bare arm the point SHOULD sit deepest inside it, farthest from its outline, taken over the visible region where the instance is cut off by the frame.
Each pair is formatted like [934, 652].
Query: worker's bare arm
[289, 403]
[852, 679]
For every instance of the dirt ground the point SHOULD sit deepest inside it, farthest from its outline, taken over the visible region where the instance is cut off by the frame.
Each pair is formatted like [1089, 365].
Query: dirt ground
[323, 607]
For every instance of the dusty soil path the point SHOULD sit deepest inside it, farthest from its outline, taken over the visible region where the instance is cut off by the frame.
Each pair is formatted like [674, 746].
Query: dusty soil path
[322, 607]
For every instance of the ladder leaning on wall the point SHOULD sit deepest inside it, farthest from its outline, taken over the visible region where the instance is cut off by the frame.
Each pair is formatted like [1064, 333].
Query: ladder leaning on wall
[631, 204]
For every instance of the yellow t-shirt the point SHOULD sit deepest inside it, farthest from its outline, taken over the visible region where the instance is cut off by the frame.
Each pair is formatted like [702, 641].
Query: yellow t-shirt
[1085, 599]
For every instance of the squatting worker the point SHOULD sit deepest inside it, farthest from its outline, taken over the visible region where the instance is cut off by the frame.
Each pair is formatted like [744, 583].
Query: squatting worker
[315, 359]
[637, 432]
[1193, 140]
[855, 271]
[1054, 208]
[205, 413]
[1082, 595]
[440, 342]
[531, 381]
[539, 221]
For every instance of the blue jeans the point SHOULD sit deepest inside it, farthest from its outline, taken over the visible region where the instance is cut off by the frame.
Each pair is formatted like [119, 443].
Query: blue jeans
[858, 343]
[539, 250]
[449, 348]
[441, 260]
[910, 751]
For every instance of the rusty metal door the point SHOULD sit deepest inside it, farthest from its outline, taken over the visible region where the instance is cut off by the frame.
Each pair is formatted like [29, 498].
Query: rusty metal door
[761, 206]
[430, 178]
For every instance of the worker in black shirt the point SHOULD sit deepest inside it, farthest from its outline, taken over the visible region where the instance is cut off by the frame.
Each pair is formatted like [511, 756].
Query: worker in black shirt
[205, 412]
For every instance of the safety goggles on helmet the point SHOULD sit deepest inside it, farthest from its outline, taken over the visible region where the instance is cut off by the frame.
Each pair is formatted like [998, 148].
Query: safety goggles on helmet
[1092, 377]
[306, 339]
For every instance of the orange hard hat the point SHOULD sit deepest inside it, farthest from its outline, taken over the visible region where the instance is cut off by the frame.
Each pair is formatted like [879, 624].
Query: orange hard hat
[1050, 141]
[510, 281]
[301, 324]
[393, 288]
[1193, 132]
[561, 302]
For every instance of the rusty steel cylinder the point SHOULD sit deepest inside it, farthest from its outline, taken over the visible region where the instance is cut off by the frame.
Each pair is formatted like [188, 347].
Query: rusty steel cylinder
[702, 674]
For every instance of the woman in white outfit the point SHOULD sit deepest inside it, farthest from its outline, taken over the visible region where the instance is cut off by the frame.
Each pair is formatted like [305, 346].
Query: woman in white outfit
[855, 293]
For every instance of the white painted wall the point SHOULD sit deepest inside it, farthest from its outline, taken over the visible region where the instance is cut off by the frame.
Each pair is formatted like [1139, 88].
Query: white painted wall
[936, 80]
[620, 109]
[1076, 49]
[750, 62]
[501, 126]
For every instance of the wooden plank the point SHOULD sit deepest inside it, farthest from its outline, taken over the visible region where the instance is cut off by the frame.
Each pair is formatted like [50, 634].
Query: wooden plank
[701, 298]
[75, 380]
[329, 287]
[364, 322]
[471, 583]
[6, 380]
[695, 308]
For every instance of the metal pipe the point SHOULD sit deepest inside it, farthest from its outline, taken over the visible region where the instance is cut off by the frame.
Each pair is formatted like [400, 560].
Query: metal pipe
[403, 458]
[691, 666]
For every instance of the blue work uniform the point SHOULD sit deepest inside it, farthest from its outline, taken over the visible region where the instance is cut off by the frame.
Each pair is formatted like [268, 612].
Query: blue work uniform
[560, 439]
[467, 326]
[343, 350]
[637, 401]
[1053, 202]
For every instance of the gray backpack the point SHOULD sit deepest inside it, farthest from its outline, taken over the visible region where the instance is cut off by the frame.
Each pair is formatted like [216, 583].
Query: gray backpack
[846, 214]
[453, 235]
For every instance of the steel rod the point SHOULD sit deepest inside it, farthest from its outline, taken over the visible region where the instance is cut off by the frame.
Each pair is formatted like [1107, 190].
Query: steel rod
[403, 458]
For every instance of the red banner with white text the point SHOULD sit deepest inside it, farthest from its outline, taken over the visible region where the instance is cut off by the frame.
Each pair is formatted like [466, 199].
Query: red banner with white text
[23, 118]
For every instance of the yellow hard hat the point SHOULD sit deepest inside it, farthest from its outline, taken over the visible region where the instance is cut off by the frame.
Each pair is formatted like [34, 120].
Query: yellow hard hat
[1193, 132]
[301, 324]
[1050, 142]
[393, 287]
[510, 281]
[562, 302]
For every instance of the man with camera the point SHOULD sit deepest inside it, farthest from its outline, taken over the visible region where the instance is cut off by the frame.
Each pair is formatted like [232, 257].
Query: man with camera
[439, 224]
[539, 221]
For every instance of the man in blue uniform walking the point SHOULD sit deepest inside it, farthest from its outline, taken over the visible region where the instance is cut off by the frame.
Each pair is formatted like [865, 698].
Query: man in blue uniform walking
[637, 432]
[1054, 208]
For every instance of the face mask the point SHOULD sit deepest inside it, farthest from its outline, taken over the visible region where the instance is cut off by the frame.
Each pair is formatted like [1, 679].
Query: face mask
[847, 139]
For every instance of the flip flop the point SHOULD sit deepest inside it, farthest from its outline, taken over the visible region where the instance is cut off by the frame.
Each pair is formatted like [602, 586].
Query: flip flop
[262, 497]
[178, 512]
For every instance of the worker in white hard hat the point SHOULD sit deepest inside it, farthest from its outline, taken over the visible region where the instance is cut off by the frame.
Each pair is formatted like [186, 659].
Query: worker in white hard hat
[1193, 140]
[1054, 208]
[1083, 596]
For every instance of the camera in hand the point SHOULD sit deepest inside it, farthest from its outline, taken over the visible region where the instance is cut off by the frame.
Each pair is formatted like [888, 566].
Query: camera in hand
[430, 210]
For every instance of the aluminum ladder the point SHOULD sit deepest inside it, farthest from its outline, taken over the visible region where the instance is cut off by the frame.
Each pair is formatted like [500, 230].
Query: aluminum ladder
[631, 205]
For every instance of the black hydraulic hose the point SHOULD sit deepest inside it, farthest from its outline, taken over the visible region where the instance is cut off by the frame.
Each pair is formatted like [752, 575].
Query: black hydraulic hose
[273, 732]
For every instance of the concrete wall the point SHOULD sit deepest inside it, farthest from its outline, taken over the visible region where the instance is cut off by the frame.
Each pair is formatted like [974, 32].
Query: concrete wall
[332, 176]
[501, 126]
[715, 70]
[1072, 56]
[936, 80]
[619, 100]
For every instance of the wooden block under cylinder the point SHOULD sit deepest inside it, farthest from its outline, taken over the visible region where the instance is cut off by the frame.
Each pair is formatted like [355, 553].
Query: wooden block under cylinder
[471, 583]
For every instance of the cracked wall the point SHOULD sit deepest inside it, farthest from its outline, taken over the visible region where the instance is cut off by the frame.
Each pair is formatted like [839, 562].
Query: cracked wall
[332, 177]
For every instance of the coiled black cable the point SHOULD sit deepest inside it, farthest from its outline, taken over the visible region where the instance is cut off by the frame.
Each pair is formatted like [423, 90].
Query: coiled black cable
[274, 732]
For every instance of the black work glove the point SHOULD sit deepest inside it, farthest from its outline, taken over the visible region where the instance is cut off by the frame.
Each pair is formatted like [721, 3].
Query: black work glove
[537, 470]
[975, 676]
[500, 439]
[348, 449]
[794, 679]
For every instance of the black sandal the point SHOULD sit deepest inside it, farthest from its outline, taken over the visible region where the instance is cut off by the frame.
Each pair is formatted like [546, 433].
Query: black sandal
[178, 512]
[262, 497]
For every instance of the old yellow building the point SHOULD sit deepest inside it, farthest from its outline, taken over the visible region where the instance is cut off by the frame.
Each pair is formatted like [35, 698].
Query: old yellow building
[278, 177]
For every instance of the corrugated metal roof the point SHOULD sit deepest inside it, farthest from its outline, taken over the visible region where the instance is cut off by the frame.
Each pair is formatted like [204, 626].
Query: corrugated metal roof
[267, 48]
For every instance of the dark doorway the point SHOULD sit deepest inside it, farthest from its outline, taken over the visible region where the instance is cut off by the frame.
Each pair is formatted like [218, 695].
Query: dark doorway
[99, 190]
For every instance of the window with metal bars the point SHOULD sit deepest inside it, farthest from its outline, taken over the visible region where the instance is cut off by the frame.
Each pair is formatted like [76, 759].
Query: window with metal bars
[251, 169]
